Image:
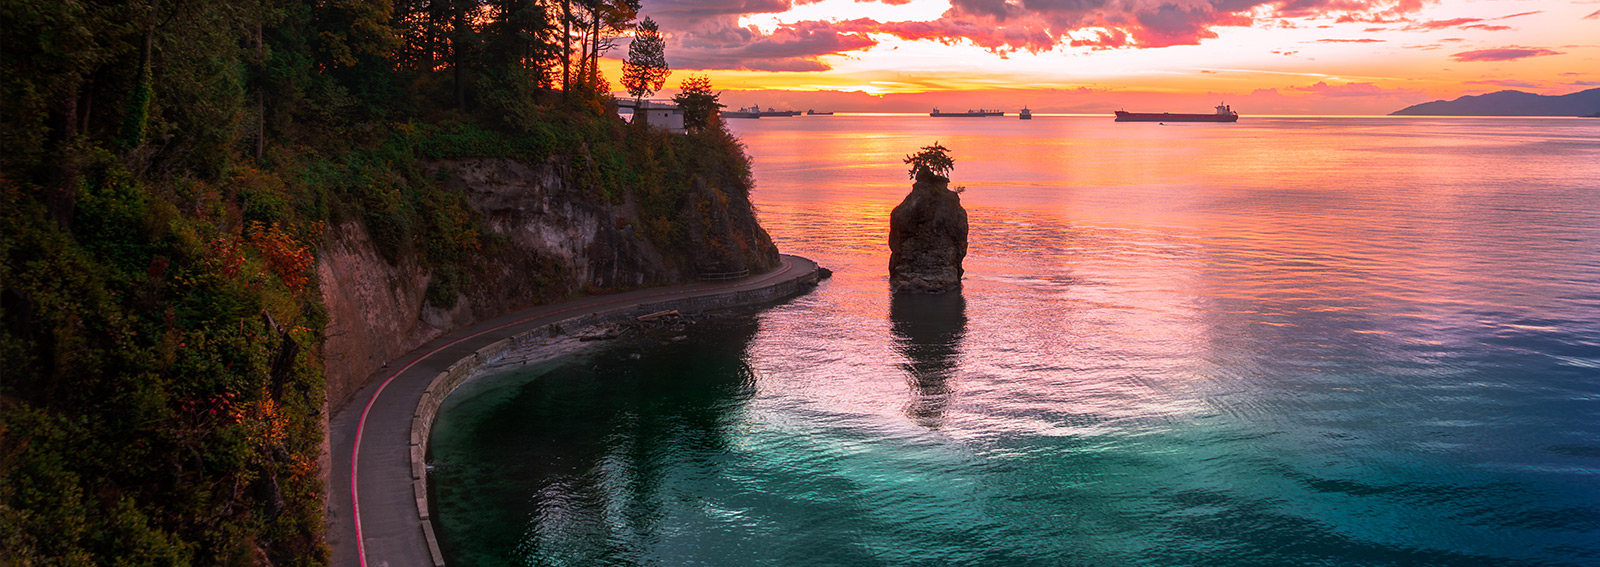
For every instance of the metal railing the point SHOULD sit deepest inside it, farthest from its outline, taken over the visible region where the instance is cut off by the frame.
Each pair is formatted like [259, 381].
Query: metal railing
[721, 276]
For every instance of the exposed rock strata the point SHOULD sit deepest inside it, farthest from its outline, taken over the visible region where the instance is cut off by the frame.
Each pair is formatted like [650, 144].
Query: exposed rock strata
[927, 238]
[548, 239]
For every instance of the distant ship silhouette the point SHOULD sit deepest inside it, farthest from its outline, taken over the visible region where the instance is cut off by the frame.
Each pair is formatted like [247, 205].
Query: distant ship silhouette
[1224, 113]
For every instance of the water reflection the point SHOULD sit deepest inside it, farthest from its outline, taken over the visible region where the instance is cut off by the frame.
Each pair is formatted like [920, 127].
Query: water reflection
[1276, 343]
[928, 331]
[570, 462]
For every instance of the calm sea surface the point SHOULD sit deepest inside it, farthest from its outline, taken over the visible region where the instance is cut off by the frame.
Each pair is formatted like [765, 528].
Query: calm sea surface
[1287, 341]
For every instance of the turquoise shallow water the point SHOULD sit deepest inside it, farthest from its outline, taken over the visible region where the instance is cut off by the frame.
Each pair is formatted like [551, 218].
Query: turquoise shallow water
[1288, 341]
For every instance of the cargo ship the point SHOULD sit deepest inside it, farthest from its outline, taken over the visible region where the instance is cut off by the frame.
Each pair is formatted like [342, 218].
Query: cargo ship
[970, 113]
[756, 112]
[1224, 113]
[815, 113]
[1025, 114]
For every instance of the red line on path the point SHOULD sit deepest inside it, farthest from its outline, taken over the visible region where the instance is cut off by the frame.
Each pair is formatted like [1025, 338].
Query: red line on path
[361, 424]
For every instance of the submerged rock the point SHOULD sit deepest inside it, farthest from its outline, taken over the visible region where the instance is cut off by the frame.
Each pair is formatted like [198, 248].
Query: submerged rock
[927, 238]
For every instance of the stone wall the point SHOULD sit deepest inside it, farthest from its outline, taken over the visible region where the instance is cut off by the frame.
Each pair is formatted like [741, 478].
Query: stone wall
[446, 382]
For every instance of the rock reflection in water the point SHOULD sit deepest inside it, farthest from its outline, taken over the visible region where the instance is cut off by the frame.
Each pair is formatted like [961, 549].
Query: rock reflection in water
[928, 331]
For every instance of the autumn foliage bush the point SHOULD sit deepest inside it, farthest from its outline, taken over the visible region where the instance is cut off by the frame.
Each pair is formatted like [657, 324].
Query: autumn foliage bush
[168, 170]
[288, 257]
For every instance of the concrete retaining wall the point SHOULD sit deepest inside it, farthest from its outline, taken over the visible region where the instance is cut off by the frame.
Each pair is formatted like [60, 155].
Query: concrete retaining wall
[447, 381]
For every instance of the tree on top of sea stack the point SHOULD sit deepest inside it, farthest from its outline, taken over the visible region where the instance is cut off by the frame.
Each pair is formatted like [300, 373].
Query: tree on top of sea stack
[931, 160]
[928, 230]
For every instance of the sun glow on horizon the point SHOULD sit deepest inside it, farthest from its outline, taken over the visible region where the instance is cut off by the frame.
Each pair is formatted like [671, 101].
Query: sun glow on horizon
[1336, 61]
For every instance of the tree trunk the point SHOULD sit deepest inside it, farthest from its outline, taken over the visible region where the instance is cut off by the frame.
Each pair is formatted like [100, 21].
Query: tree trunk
[138, 112]
[87, 104]
[458, 49]
[566, 44]
[587, 62]
[149, 37]
[261, 97]
[64, 170]
[583, 55]
[594, 49]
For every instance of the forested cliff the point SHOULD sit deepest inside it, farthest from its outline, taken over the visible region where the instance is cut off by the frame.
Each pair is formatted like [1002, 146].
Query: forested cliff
[216, 219]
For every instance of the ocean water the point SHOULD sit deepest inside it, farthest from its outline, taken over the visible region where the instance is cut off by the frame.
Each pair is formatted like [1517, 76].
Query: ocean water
[1287, 341]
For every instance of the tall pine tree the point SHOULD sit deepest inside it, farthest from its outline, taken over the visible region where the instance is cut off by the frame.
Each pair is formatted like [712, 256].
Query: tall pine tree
[646, 69]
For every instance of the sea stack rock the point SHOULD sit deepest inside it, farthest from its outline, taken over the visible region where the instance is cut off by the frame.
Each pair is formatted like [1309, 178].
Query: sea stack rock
[927, 238]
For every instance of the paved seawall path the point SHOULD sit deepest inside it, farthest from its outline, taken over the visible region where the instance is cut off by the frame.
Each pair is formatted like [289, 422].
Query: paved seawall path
[377, 511]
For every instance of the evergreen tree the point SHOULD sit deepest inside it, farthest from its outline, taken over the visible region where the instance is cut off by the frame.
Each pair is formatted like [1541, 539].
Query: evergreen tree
[646, 68]
[167, 170]
[699, 104]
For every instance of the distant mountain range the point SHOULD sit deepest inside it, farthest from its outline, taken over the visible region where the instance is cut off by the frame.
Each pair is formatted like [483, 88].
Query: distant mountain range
[1510, 103]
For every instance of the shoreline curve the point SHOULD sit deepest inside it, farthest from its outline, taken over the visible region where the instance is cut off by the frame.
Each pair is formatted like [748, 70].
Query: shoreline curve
[382, 447]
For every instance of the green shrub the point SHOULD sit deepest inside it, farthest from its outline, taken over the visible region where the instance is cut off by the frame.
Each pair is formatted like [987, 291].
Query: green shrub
[444, 287]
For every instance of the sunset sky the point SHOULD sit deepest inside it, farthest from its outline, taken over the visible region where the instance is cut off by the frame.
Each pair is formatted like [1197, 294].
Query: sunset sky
[1094, 56]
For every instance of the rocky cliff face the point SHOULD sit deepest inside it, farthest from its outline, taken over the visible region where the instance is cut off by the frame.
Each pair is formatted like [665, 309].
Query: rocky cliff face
[927, 238]
[547, 239]
[374, 309]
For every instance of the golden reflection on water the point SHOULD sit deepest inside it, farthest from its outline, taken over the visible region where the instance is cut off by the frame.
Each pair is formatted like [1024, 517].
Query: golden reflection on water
[1135, 274]
[1288, 341]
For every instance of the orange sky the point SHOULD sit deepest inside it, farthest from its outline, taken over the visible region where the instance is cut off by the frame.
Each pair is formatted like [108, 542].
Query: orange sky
[1094, 56]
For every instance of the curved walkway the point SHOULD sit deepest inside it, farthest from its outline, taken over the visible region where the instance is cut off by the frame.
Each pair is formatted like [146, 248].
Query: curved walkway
[373, 518]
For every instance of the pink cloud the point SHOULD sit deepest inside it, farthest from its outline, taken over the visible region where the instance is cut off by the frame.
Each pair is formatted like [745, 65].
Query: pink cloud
[1040, 25]
[951, 31]
[1365, 19]
[1506, 83]
[704, 34]
[1594, 15]
[1171, 25]
[1362, 40]
[1103, 40]
[794, 47]
[1322, 88]
[1441, 24]
[685, 15]
[1467, 23]
[1503, 54]
[1004, 26]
